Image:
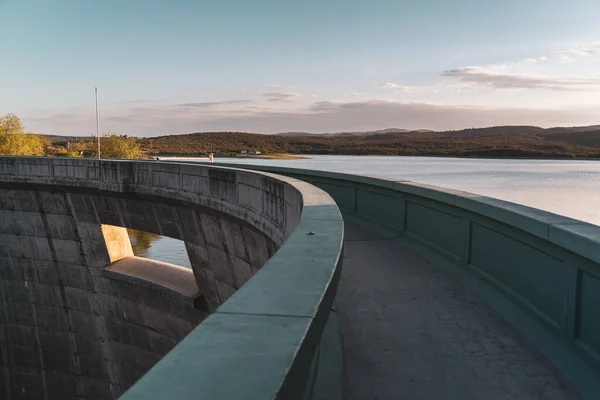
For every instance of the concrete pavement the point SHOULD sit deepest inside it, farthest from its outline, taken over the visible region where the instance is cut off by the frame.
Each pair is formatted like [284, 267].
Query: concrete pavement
[410, 331]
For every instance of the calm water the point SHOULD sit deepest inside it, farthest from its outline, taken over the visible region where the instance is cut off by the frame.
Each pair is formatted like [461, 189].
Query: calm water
[570, 188]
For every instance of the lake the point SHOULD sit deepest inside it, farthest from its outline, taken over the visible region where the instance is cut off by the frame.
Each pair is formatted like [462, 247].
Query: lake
[569, 188]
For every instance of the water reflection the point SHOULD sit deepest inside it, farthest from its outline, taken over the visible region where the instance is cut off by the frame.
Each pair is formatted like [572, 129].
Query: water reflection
[141, 241]
[159, 248]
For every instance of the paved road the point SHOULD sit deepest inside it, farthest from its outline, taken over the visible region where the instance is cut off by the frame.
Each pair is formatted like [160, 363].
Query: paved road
[409, 331]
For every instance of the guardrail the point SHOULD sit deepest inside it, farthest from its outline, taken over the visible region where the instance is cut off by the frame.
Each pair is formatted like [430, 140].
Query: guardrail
[272, 337]
[539, 270]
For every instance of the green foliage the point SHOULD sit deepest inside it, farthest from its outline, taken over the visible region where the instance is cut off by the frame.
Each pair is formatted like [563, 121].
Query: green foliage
[116, 146]
[59, 151]
[14, 142]
[223, 143]
[22, 144]
[10, 124]
[112, 146]
[496, 142]
[141, 241]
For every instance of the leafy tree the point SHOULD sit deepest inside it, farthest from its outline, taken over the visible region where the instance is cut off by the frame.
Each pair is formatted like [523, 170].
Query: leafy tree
[116, 146]
[141, 241]
[82, 148]
[59, 151]
[112, 146]
[22, 144]
[10, 124]
[14, 142]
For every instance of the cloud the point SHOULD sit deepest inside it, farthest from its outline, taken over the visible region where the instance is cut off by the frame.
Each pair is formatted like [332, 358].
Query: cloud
[490, 78]
[529, 61]
[287, 97]
[390, 85]
[65, 115]
[212, 104]
[518, 74]
[325, 106]
[276, 96]
[406, 89]
[562, 56]
[284, 87]
[592, 49]
[322, 116]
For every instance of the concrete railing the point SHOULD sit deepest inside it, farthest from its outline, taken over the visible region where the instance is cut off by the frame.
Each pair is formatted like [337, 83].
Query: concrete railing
[273, 327]
[539, 270]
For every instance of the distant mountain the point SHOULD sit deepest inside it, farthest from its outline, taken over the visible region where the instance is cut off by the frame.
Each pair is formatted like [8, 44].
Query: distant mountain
[487, 131]
[495, 131]
[58, 139]
[352, 134]
[495, 142]
[502, 141]
[573, 129]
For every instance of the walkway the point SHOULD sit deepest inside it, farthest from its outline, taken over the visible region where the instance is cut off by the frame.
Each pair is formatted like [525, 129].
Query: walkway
[410, 331]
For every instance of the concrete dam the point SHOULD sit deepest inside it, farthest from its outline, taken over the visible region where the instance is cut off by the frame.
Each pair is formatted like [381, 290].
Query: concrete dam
[304, 285]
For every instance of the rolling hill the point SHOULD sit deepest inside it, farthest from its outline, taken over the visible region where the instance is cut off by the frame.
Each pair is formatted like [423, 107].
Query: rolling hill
[497, 141]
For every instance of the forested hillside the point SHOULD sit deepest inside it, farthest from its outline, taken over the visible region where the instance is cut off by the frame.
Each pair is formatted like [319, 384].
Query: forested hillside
[489, 142]
[498, 141]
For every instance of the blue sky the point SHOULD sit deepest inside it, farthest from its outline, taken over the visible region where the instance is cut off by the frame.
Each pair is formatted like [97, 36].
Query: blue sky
[320, 66]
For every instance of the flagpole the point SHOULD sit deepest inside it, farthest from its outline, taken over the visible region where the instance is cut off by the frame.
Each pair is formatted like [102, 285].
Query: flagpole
[97, 123]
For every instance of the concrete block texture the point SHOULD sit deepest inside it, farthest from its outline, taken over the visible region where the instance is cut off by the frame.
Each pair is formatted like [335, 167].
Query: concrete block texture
[76, 324]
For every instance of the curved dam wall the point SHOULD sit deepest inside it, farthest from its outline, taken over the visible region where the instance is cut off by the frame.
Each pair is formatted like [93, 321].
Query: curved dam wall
[539, 270]
[83, 318]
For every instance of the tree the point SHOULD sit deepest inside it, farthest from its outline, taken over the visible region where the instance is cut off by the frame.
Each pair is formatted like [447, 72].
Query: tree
[141, 241]
[117, 146]
[82, 148]
[14, 142]
[112, 146]
[10, 124]
[22, 144]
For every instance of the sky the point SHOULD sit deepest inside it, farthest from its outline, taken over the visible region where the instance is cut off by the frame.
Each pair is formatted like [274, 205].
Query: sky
[180, 66]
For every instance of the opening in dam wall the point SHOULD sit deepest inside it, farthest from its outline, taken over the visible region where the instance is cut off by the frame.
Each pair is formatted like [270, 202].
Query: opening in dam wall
[539, 270]
[159, 248]
[83, 317]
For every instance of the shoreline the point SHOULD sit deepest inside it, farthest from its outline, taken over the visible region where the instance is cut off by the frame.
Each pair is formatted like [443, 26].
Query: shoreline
[256, 156]
[310, 157]
[271, 156]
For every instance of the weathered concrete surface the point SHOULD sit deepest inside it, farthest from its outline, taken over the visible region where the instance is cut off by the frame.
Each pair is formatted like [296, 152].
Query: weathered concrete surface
[132, 269]
[410, 331]
[275, 338]
[117, 242]
[72, 328]
[69, 330]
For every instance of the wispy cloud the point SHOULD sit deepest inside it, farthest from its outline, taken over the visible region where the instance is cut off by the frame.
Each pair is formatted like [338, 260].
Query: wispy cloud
[490, 77]
[284, 87]
[406, 89]
[283, 96]
[287, 97]
[521, 74]
[592, 49]
[213, 104]
[560, 56]
[390, 85]
[323, 116]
